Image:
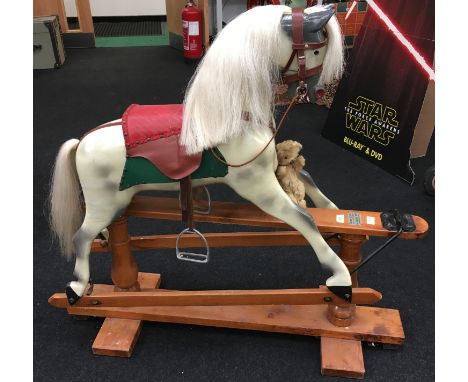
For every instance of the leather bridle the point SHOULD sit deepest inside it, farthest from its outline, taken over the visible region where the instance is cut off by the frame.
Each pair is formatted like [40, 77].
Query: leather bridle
[298, 50]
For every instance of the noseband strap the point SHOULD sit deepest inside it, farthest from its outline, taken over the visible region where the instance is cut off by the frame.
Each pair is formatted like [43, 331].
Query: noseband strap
[298, 50]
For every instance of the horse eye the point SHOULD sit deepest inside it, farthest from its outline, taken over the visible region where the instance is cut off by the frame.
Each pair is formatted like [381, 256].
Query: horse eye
[316, 52]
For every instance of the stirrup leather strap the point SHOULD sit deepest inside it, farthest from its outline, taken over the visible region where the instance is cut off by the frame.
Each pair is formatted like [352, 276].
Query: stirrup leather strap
[186, 201]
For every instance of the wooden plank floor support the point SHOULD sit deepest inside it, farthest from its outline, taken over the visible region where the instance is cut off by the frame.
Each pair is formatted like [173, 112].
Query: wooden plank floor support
[369, 324]
[342, 358]
[117, 337]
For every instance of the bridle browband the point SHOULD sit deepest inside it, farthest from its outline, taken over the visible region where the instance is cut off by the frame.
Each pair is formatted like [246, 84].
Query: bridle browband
[298, 50]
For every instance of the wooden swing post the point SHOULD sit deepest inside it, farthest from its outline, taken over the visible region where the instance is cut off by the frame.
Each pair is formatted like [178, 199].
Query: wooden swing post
[124, 269]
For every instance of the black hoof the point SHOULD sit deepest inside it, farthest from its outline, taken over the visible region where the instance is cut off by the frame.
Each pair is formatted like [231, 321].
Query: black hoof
[72, 297]
[343, 292]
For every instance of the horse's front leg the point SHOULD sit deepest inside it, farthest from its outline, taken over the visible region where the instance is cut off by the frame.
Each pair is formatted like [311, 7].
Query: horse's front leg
[313, 192]
[263, 189]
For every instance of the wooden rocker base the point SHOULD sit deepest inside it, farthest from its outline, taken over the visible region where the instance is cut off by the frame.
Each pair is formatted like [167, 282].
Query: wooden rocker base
[340, 325]
[340, 345]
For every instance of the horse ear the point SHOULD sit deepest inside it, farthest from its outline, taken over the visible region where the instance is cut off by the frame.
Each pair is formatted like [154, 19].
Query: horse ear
[286, 23]
[315, 21]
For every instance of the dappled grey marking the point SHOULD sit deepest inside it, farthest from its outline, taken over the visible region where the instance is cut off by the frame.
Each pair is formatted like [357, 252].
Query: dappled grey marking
[263, 162]
[305, 177]
[80, 238]
[305, 216]
[245, 175]
[268, 201]
[104, 171]
[110, 185]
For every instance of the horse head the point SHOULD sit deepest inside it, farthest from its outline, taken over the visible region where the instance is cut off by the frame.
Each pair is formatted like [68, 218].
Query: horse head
[314, 41]
[241, 69]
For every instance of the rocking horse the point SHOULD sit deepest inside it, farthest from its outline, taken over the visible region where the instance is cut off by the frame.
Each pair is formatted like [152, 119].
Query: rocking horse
[223, 133]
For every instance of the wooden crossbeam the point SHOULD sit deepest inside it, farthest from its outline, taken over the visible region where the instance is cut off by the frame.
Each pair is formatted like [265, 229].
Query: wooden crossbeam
[215, 240]
[327, 220]
[371, 324]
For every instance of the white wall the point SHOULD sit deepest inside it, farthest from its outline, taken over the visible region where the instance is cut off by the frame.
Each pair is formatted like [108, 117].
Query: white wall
[121, 7]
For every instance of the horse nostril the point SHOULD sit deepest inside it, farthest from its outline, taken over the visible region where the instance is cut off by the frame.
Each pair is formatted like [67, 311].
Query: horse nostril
[316, 52]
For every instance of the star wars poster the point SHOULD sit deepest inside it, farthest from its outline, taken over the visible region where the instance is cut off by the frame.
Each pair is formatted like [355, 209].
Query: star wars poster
[379, 98]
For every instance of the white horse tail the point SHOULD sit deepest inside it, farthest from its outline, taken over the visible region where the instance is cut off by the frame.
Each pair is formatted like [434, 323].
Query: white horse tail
[66, 213]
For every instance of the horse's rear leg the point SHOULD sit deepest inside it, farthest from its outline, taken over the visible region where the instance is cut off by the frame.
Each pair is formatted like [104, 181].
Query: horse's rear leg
[263, 190]
[313, 192]
[95, 221]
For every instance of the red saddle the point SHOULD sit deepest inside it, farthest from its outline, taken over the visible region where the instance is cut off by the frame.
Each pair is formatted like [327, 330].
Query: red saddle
[152, 132]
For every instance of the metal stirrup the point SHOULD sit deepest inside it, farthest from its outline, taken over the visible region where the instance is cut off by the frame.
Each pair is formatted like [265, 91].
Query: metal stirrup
[208, 198]
[201, 212]
[186, 204]
[191, 256]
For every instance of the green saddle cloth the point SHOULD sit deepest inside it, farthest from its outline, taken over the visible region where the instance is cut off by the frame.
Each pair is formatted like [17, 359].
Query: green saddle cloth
[139, 170]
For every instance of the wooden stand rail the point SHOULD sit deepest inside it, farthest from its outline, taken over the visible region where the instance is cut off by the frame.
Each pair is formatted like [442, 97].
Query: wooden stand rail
[312, 312]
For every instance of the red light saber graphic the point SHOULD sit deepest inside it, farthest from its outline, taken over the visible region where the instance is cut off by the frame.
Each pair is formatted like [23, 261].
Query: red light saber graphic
[419, 58]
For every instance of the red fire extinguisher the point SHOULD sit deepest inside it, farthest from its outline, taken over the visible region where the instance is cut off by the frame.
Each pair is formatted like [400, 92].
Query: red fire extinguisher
[192, 31]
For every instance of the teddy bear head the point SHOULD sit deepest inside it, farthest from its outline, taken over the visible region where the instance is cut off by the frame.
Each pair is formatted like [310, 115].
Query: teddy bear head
[288, 152]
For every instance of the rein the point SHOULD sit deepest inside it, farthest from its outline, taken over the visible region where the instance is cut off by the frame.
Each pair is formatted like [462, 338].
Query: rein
[291, 104]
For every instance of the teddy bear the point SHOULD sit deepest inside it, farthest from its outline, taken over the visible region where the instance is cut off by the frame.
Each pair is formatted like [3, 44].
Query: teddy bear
[289, 164]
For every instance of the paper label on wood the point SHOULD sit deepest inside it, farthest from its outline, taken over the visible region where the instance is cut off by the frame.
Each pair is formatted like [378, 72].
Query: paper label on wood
[370, 220]
[354, 218]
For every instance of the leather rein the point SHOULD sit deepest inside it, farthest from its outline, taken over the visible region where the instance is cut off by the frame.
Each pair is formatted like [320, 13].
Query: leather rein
[302, 94]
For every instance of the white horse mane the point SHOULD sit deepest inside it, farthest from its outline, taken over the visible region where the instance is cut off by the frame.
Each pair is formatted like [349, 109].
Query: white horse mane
[237, 75]
[333, 63]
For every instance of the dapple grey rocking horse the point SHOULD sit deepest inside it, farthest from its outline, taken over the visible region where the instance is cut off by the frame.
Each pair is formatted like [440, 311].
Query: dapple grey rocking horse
[229, 108]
